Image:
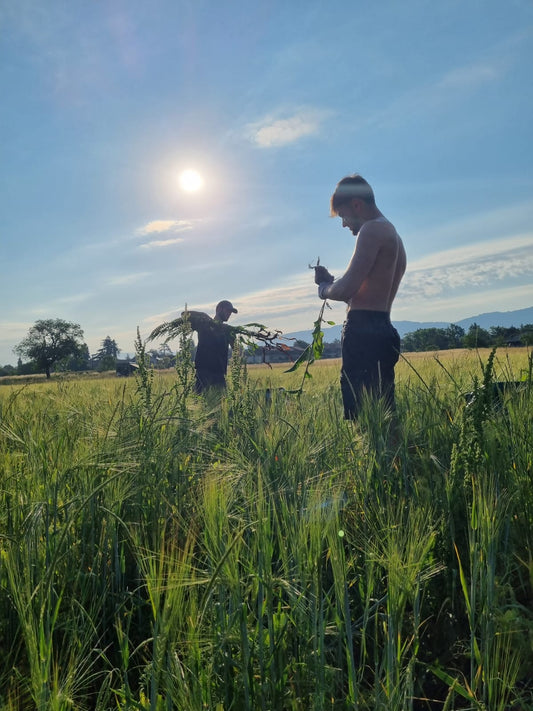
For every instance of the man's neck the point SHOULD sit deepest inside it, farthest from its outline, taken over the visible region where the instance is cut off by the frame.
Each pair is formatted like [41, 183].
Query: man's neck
[372, 213]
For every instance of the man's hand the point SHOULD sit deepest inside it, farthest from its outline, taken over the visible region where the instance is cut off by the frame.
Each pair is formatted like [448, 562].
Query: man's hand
[322, 275]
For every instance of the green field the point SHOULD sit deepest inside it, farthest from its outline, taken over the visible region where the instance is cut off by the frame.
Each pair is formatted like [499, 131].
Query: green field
[161, 551]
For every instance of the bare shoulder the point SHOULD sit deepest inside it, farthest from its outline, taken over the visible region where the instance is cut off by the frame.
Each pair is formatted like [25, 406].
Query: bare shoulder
[381, 231]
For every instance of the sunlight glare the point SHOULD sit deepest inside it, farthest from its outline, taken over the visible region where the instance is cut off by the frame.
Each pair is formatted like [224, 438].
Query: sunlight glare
[191, 180]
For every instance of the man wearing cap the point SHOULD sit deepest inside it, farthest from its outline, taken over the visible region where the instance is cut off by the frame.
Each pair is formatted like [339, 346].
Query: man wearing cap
[214, 338]
[370, 343]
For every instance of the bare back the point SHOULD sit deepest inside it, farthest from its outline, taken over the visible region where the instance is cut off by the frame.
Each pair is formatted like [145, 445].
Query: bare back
[375, 270]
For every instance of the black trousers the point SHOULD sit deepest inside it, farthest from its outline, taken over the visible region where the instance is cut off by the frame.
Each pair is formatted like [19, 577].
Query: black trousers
[370, 350]
[208, 379]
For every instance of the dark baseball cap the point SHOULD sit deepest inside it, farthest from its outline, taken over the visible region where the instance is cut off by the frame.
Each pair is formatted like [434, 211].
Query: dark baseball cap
[224, 304]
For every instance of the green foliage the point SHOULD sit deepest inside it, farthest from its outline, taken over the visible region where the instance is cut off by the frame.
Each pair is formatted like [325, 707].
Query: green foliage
[163, 551]
[106, 357]
[49, 341]
[433, 339]
[108, 349]
[314, 350]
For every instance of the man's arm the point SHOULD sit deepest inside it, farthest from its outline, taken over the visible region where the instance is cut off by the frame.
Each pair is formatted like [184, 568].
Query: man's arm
[231, 335]
[196, 319]
[363, 259]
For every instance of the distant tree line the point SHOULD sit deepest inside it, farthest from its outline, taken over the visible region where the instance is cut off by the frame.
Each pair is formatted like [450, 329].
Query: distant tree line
[54, 345]
[439, 339]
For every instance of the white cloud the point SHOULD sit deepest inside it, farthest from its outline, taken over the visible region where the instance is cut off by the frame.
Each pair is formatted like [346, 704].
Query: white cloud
[488, 249]
[155, 244]
[497, 226]
[450, 308]
[453, 284]
[271, 131]
[470, 267]
[157, 226]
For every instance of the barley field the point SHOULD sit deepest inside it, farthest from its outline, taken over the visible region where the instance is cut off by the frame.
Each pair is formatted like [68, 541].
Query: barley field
[163, 551]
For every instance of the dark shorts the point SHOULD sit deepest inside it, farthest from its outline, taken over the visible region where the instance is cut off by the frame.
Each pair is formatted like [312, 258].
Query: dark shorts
[370, 350]
[208, 379]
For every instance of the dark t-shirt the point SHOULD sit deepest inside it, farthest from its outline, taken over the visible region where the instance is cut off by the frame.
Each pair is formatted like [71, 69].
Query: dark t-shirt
[214, 338]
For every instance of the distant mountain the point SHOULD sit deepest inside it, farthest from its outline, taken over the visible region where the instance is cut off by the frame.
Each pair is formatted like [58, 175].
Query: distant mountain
[506, 319]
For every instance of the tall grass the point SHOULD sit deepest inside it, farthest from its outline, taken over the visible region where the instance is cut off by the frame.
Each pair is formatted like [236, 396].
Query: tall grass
[254, 551]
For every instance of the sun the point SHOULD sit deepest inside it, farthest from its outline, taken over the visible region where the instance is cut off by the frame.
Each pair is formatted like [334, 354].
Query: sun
[191, 181]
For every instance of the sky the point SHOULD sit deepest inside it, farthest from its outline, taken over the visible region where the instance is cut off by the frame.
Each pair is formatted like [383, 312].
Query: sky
[271, 102]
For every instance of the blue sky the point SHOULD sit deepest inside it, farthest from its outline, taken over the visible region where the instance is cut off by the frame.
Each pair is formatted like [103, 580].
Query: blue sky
[104, 104]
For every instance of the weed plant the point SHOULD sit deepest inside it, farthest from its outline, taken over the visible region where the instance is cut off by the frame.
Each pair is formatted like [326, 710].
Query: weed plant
[251, 550]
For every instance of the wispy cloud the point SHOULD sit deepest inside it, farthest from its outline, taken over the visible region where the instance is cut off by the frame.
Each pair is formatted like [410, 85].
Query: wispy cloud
[62, 302]
[468, 268]
[489, 249]
[11, 334]
[448, 285]
[161, 227]
[157, 243]
[274, 131]
[454, 307]
[126, 279]
[440, 92]
[497, 226]
[470, 76]
[158, 226]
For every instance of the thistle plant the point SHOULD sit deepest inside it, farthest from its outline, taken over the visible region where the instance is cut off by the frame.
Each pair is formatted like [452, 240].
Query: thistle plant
[184, 366]
[144, 375]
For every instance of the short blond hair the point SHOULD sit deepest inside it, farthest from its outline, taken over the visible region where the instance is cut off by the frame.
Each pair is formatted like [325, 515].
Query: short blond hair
[352, 186]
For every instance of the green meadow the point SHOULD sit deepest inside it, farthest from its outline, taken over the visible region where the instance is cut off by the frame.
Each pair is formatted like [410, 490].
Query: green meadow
[163, 551]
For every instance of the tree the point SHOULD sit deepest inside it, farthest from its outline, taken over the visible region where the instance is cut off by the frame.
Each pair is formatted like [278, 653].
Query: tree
[526, 334]
[108, 348]
[476, 337]
[75, 362]
[49, 341]
[426, 339]
[162, 357]
[455, 335]
[107, 355]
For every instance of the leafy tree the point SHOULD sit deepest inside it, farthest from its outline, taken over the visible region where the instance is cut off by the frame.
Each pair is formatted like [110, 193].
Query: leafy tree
[50, 341]
[500, 335]
[427, 339]
[25, 368]
[526, 334]
[162, 357]
[75, 362]
[455, 336]
[108, 348]
[106, 356]
[476, 337]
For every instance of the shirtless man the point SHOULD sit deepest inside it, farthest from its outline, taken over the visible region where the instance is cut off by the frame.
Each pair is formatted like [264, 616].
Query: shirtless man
[370, 343]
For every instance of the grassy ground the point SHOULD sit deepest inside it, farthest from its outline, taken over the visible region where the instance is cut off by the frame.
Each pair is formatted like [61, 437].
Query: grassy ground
[160, 551]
